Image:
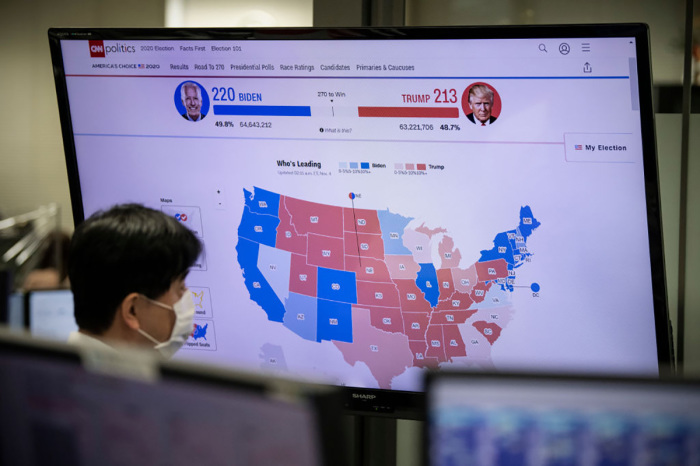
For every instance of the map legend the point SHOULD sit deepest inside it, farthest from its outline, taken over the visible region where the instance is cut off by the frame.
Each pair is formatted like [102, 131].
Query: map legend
[358, 168]
[411, 166]
[354, 165]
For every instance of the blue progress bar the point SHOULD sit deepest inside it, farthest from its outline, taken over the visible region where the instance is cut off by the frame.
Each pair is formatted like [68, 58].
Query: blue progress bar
[262, 110]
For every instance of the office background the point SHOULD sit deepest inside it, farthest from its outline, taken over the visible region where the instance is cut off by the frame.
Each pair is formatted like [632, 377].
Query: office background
[32, 166]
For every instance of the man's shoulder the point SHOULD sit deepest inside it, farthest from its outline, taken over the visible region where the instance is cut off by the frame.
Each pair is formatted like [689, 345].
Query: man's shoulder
[86, 341]
[471, 117]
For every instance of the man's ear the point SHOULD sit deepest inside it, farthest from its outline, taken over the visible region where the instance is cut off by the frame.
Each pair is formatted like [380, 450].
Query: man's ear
[127, 311]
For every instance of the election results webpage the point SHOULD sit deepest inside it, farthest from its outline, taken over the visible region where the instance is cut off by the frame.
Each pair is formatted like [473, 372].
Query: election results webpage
[372, 208]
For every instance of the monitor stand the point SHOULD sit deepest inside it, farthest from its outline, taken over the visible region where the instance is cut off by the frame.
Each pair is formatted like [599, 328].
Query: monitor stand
[372, 440]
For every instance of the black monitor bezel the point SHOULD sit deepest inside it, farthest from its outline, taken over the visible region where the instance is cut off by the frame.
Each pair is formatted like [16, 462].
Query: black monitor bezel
[388, 402]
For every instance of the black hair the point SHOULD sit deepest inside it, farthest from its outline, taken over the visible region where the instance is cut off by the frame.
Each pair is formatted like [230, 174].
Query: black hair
[128, 248]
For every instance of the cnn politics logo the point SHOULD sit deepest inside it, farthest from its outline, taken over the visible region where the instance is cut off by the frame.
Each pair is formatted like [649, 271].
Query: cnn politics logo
[99, 49]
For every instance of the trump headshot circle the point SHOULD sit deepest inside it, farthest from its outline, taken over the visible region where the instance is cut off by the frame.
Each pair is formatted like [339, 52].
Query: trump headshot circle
[481, 104]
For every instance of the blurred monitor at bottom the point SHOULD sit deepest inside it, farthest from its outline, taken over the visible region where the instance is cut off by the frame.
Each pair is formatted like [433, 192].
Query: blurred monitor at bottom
[539, 420]
[54, 411]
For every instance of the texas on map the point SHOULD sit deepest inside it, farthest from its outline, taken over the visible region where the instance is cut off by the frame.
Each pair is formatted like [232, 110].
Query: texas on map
[368, 282]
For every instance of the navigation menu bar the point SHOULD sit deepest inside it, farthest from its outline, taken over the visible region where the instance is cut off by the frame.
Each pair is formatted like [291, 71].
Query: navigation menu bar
[381, 59]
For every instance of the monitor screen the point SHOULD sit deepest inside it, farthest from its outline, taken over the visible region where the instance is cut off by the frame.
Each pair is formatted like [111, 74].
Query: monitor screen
[488, 419]
[375, 202]
[49, 314]
[54, 411]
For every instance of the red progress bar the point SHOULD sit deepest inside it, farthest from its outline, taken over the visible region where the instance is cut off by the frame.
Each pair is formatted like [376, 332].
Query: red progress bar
[409, 112]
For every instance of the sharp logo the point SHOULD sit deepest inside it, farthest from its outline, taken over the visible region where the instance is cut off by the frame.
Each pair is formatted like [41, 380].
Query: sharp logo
[362, 396]
[99, 49]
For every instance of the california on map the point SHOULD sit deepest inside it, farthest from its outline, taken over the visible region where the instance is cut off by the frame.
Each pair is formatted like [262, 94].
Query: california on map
[368, 281]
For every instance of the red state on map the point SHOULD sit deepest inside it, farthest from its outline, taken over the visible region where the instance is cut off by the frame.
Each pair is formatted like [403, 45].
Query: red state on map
[310, 217]
[412, 298]
[436, 347]
[448, 254]
[377, 294]
[419, 348]
[457, 301]
[389, 319]
[386, 354]
[478, 293]
[371, 270]
[465, 279]
[488, 329]
[451, 317]
[454, 344]
[491, 270]
[365, 220]
[369, 245]
[402, 267]
[287, 237]
[325, 251]
[302, 277]
[415, 324]
[446, 283]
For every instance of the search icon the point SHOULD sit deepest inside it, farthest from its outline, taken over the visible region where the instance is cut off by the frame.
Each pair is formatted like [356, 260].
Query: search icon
[542, 48]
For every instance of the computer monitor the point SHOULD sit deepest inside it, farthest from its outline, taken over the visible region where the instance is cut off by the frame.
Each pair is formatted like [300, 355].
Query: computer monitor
[491, 419]
[55, 411]
[49, 314]
[375, 202]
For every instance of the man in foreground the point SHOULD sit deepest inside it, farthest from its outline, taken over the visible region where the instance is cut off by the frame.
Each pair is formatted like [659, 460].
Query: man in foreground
[127, 269]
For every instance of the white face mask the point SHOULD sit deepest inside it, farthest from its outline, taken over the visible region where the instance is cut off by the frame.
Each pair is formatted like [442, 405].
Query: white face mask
[184, 315]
